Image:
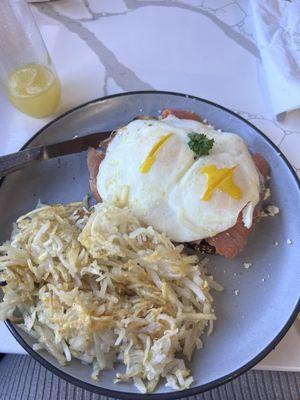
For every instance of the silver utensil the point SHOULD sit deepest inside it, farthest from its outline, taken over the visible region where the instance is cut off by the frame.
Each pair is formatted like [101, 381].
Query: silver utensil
[15, 161]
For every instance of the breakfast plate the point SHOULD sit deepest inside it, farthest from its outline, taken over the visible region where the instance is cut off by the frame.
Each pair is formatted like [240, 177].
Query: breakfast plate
[260, 299]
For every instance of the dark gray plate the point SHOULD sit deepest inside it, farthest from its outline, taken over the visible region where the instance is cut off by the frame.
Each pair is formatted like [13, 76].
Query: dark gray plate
[250, 324]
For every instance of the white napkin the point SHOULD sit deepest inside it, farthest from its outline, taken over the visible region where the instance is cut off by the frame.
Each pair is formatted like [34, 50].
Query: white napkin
[277, 24]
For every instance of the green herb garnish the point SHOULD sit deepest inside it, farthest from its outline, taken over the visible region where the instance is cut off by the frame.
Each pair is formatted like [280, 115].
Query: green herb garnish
[200, 144]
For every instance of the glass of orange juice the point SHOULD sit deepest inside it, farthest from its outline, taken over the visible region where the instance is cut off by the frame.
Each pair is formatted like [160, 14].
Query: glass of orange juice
[27, 74]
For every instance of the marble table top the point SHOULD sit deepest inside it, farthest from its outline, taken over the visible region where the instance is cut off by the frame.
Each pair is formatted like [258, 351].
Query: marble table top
[205, 48]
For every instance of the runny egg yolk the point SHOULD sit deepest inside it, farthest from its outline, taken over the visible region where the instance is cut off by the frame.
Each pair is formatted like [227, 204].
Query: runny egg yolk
[221, 179]
[149, 160]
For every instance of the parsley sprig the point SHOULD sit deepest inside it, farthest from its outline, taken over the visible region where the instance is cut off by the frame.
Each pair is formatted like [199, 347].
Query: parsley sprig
[200, 144]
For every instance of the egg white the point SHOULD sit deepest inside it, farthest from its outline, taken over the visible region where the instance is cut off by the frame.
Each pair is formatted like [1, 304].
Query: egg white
[168, 197]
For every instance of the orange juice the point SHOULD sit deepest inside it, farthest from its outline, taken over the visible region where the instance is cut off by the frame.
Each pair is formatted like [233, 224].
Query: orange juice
[34, 89]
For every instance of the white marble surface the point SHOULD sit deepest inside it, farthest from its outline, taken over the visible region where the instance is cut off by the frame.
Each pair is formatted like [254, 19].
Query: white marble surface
[206, 48]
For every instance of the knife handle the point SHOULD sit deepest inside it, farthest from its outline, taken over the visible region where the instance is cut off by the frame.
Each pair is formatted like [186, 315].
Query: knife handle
[15, 161]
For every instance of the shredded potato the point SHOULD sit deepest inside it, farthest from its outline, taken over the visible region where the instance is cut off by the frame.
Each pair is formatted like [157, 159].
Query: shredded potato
[98, 286]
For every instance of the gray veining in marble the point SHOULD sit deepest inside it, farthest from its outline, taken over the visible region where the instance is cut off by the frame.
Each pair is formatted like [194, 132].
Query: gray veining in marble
[232, 31]
[122, 75]
[227, 29]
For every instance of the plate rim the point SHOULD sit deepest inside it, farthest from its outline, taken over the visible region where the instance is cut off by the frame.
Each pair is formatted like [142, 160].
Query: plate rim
[186, 392]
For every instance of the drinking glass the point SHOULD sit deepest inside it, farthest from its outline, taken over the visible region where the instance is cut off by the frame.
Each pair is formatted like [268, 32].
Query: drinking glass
[27, 74]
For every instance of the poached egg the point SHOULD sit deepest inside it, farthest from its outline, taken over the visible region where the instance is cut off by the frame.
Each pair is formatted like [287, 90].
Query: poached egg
[150, 168]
